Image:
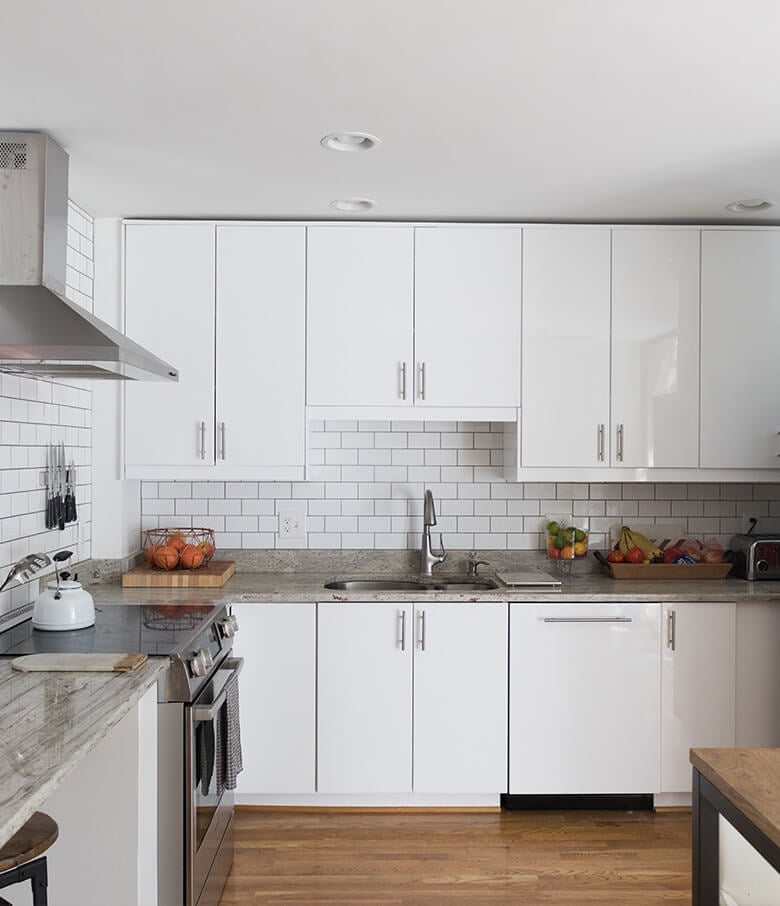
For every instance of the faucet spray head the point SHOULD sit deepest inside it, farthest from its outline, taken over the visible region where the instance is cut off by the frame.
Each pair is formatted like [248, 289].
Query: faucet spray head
[429, 511]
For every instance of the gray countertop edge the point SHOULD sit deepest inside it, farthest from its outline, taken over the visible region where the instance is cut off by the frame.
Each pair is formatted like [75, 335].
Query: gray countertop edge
[307, 587]
[93, 703]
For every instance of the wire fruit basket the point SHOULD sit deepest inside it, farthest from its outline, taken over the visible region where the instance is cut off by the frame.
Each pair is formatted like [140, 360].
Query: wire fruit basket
[178, 548]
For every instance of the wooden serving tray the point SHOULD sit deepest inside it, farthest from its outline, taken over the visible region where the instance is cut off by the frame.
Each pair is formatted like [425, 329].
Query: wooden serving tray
[212, 576]
[669, 570]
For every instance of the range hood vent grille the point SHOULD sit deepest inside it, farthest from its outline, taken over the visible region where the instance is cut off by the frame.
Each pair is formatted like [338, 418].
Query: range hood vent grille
[13, 155]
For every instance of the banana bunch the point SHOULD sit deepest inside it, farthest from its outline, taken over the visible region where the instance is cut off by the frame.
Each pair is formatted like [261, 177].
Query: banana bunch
[630, 539]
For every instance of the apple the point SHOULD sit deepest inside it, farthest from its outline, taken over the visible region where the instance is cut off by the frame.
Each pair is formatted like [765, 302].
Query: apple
[634, 555]
[615, 557]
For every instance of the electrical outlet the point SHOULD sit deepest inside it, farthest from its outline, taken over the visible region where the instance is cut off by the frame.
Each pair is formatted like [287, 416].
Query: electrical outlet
[292, 524]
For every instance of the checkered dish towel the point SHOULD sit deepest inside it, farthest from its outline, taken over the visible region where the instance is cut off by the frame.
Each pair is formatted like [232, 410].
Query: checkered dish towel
[228, 743]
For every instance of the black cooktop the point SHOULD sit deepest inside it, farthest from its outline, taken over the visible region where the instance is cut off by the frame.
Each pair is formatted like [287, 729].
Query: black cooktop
[119, 628]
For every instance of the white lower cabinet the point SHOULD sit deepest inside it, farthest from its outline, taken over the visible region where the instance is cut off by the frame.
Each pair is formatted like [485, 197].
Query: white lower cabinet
[584, 698]
[411, 698]
[278, 695]
[698, 685]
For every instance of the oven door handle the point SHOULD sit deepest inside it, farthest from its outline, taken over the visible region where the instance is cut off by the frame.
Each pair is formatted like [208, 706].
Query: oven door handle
[209, 712]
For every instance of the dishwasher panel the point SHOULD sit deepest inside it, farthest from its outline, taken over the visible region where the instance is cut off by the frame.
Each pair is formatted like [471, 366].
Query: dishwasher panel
[584, 698]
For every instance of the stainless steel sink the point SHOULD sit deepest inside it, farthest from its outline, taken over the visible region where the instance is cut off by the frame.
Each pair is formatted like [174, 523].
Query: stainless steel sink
[455, 585]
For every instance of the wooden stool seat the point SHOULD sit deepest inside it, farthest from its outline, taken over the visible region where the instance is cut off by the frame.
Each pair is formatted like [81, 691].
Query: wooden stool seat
[17, 856]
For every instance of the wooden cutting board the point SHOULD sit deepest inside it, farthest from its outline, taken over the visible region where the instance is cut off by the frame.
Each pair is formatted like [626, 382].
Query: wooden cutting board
[121, 663]
[212, 576]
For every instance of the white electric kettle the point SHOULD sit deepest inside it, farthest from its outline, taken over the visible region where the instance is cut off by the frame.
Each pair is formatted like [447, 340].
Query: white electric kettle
[64, 604]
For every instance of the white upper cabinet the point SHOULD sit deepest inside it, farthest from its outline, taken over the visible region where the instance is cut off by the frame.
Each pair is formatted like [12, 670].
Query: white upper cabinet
[403, 317]
[360, 316]
[226, 306]
[261, 331]
[740, 365]
[655, 348]
[467, 295]
[169, 307]
[565, 348]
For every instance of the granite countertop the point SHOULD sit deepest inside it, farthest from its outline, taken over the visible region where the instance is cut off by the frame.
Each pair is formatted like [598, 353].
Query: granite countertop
[284, 579]
[49, 721]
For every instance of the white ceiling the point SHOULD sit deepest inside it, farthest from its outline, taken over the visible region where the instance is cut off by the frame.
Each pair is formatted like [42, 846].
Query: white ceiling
[561, 110]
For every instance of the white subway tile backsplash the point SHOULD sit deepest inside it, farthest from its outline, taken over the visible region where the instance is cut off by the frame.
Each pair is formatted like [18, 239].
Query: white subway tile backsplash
[366, 482]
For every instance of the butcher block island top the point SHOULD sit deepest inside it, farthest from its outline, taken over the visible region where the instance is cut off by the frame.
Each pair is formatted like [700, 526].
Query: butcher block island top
[749, 779]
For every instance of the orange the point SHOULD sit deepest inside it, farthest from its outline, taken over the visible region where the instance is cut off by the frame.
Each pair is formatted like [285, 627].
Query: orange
[191, 557]
[567, 553]
[166, 557]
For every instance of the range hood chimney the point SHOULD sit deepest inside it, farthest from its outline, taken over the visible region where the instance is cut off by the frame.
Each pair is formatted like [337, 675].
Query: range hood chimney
[42, 332]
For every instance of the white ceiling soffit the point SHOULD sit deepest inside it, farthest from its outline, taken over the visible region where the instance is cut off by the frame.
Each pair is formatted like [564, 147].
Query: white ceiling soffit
[559, 110]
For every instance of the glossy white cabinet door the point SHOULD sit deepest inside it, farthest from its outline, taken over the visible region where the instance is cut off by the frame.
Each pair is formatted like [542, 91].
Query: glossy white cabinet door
[698, 686]
[261, 335]
[584, 698]
[655, 348]
[565, 349]
[364, 698]
[169, 306]
[740, 364]
[460, 698]
[360, 315]
[278, 697]
[467, 304]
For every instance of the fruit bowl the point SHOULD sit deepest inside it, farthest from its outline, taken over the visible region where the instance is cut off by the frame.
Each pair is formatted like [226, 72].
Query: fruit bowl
[565, 539]
[178, 548]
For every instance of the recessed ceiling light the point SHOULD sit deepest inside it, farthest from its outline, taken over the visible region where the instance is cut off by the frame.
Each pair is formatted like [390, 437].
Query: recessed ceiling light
[353, 205]
[349, 141]
[749, 205]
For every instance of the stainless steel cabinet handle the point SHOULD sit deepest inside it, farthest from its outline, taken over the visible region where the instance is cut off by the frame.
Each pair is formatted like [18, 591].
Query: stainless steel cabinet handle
[601, 443]
[210, 711]
[422, 630]
[620, 443]
[402, 640]
[203, 440]
[588, 620]
[422, 380]
[222, 439]
[403, 380]
[671, 630]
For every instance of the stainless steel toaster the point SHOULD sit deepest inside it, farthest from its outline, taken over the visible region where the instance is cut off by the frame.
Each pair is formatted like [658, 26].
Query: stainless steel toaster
[756, 556]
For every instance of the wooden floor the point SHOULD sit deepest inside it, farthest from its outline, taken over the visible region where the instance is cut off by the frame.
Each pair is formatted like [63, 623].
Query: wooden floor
[566, 858]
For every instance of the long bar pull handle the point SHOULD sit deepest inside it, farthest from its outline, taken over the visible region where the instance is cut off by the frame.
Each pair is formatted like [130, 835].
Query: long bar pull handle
[422, 630]
[620, 443]
[210, 711]
[588, 620]
[203, 440]
[671, 630]
[402, 640]
[222, 440]
[601, 443]
[403, 380]
[422, 380]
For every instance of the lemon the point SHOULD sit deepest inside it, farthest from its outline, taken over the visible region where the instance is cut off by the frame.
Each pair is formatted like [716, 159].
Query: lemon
[580, 548]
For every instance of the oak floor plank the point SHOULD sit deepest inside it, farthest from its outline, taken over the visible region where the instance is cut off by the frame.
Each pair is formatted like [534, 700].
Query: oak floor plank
[500, 859]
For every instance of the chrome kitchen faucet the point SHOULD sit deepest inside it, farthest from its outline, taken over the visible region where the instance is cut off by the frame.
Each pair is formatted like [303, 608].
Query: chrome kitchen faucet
[428, 557]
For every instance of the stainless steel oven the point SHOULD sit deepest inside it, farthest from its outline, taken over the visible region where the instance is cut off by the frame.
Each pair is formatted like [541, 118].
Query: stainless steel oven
[208, 815]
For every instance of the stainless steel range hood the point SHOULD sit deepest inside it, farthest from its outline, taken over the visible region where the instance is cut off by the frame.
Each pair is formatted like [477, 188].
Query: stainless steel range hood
[42, 332]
